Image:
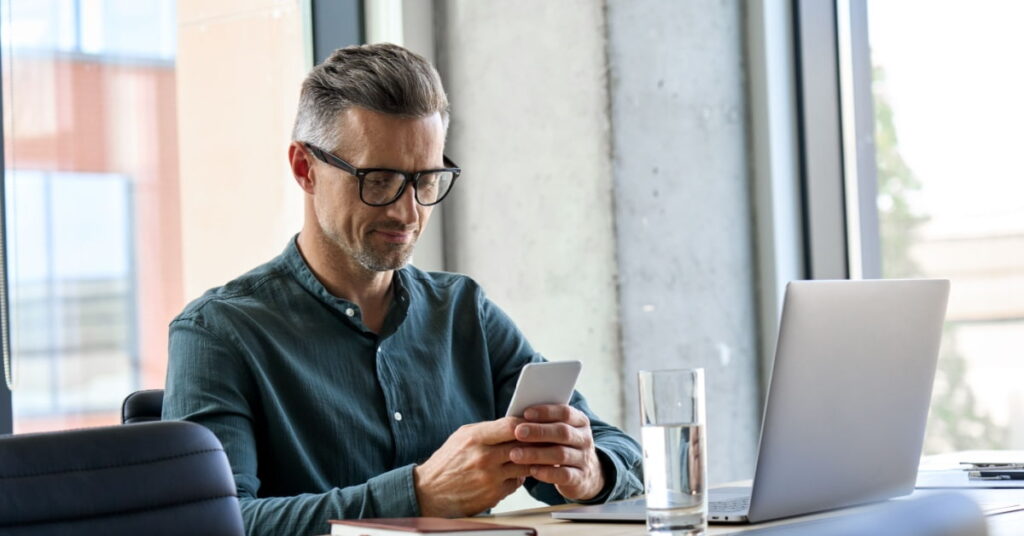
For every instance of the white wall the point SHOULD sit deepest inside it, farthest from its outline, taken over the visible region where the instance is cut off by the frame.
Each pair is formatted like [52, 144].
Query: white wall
[239, 69]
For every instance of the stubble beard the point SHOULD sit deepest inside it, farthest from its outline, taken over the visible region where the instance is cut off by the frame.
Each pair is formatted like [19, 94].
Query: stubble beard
[383, 259]
[374, 258]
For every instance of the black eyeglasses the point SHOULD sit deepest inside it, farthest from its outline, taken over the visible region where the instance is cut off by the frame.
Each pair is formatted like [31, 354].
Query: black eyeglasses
[379, 187]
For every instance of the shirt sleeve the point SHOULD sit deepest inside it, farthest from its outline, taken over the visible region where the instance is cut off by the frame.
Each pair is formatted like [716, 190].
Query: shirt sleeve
[209, 384]
[620, 454]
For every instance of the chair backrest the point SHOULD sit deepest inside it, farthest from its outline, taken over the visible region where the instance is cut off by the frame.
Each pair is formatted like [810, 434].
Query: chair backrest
[168, 477]
[142, 406]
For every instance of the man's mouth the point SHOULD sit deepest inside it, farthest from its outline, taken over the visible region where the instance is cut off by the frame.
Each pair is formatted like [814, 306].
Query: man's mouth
[396, 237]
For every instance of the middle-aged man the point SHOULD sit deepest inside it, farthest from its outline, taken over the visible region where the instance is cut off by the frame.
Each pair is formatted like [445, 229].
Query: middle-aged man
[344, 382]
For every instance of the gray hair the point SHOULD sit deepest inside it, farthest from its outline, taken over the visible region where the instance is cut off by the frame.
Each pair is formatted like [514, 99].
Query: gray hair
[382, 77]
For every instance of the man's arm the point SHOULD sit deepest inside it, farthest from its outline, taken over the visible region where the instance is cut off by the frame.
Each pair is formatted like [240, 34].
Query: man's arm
[618, 454]
[559, 446]
[208, 383]
[571, 441]
[471, 471]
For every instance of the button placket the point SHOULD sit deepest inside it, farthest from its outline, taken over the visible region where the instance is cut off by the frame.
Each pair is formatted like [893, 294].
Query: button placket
[391, 397]
[397, 415]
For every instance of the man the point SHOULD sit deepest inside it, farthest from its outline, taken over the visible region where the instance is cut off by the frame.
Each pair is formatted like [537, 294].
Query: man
[345, 383]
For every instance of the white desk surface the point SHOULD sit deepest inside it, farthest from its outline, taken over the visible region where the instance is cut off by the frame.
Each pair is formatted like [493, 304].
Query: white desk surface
[1008, 524]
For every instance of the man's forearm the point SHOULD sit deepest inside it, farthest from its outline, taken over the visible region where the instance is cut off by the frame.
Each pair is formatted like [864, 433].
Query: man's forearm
[390, 494]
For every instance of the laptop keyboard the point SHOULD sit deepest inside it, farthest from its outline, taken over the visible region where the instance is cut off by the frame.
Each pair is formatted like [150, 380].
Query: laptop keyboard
[735, 504]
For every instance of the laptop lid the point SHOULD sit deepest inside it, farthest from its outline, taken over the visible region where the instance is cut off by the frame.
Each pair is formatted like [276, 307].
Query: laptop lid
[848, 401]
[846, 409]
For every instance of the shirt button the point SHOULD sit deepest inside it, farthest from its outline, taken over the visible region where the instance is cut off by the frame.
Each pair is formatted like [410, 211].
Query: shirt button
[398, 416]
[350, 312]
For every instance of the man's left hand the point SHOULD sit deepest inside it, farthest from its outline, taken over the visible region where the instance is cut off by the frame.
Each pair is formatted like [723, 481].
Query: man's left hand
[559, 447]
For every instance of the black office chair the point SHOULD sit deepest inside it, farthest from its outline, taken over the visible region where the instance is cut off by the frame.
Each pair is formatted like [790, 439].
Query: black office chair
[142, 406]
[150, 478]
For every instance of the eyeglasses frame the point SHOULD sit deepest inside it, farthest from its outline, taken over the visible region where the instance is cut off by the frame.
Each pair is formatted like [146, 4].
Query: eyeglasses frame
[410, 177]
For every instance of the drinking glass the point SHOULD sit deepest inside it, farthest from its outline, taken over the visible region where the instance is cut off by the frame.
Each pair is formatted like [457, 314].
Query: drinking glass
[675, 459]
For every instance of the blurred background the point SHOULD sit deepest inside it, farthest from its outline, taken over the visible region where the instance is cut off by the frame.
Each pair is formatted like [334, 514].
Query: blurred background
[641, 179]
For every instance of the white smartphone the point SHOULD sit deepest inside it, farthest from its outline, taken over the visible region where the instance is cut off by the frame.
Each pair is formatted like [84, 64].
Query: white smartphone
[544, 383]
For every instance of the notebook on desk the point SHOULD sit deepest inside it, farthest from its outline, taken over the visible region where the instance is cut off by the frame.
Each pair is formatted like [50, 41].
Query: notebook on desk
[846, 408]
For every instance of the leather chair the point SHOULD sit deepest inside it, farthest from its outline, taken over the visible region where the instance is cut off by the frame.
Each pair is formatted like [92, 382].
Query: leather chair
[167, 477]
[142, 406]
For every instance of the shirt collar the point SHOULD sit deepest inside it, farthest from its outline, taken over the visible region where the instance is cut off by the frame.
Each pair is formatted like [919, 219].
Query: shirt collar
[294, 262]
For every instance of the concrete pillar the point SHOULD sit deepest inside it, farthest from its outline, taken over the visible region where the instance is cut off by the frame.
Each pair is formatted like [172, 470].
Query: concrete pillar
[532, 217]
[683, 210]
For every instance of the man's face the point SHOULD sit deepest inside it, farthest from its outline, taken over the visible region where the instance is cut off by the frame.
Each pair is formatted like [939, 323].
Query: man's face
[377, 238]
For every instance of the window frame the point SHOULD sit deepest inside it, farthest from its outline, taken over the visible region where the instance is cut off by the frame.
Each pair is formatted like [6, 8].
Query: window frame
[6, 358]
[836, 140]
[334, 24]
[813, 151]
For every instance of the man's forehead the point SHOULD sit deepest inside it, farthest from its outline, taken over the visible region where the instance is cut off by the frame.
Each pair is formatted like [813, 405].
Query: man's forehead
[374, 138]
[371, 121]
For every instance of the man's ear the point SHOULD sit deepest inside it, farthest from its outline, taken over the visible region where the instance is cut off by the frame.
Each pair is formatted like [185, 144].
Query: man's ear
[301, 162]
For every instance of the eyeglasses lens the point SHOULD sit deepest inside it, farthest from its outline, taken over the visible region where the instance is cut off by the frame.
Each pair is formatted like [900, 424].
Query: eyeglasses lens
[382, 187]
[432, 187]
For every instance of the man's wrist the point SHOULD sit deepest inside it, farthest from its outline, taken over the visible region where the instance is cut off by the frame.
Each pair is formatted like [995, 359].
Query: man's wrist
[597, 480]
[608, 476]
[426, 509]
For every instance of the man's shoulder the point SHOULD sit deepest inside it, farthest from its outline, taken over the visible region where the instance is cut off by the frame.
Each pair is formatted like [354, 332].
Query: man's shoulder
[256, 288]
[448, 287]
[437, 279]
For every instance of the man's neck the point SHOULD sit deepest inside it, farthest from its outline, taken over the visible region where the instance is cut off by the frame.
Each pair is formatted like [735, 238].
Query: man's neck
[345, 278]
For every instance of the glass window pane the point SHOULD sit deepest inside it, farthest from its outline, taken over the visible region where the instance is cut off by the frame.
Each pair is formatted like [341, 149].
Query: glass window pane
[93, 225]
[128, 28]
[951, 197]
[44, 25]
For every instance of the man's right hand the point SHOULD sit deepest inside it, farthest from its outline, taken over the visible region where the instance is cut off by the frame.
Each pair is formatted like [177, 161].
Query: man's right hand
[471, 471]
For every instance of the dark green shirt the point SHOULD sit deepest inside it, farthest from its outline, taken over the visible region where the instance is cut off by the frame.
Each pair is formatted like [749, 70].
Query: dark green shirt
[323, 419]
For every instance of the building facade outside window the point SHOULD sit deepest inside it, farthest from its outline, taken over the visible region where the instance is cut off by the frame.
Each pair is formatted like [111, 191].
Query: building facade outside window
[92, 203]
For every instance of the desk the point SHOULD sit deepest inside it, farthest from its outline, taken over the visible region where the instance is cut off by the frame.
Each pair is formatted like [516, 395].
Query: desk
[1009, 524]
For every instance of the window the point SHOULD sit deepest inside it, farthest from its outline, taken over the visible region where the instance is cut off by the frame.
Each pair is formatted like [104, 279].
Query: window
[951, 197]
[103, 28]
[91, 204]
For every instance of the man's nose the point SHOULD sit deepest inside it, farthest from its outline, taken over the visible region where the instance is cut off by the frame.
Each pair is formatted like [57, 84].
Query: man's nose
[404, 208]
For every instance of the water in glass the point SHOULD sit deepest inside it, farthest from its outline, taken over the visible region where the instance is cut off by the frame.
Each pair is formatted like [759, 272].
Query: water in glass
[675, 479]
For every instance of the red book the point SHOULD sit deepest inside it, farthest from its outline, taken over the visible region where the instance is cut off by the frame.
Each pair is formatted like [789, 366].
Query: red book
[434, 526]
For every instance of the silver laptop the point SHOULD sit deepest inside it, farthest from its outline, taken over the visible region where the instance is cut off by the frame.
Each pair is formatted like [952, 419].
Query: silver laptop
[846, 409]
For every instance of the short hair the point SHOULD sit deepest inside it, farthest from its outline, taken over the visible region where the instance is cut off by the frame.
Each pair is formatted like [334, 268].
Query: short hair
[384, 78]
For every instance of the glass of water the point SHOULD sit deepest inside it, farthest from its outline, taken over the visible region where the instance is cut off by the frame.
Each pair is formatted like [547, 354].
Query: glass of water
[675, 453]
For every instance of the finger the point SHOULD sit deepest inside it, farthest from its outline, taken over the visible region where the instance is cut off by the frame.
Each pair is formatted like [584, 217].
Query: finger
[559, 433]
[494, 432]
[509, 486]
[553, 455]
[556, 413]
[560, 476]
[498, 456]
[514, 470]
